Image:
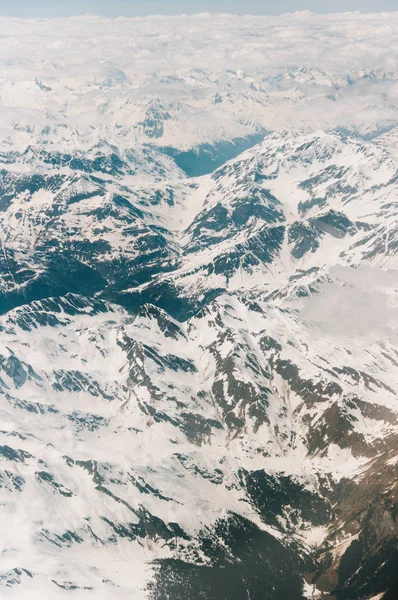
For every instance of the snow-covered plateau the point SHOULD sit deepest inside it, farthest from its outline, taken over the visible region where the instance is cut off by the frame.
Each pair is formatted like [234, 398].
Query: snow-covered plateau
[199, 308]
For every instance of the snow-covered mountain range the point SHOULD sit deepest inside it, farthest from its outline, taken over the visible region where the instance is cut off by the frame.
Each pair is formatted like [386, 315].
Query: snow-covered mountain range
[199, 302]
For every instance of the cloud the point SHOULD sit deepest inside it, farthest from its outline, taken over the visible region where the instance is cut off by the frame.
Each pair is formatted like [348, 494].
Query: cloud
[293, 70]
[358, 303]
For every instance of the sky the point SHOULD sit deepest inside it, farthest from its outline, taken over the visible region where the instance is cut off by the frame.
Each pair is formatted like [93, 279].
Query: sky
[116, 8]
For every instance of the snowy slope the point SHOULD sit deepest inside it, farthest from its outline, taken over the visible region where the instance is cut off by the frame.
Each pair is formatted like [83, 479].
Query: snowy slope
[162, 429]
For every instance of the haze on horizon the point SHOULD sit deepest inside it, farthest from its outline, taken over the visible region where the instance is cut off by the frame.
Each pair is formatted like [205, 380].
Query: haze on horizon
[132, 8]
